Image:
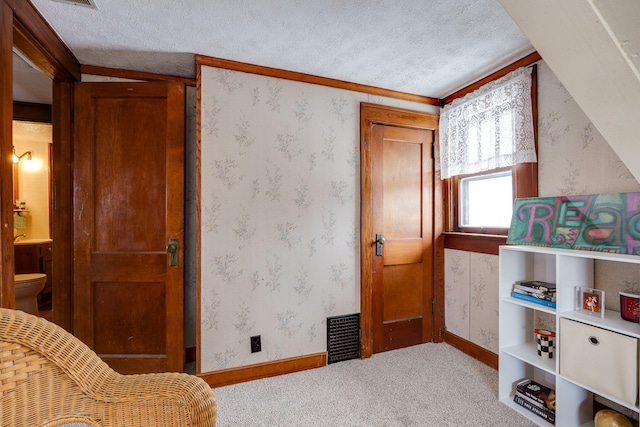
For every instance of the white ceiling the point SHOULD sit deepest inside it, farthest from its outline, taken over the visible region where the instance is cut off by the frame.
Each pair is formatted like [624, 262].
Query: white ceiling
[424, 47]
[29, 84]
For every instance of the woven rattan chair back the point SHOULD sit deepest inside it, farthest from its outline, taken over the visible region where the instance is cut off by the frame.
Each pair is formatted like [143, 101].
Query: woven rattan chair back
[49, 378]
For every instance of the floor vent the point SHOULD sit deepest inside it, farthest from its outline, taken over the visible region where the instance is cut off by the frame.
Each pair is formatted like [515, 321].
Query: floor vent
[343, 337]
[86, 3]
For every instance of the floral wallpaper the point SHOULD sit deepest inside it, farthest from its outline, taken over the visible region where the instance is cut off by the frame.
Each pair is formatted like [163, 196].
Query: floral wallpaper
[457, 291]
[280, 198]
[573, 159]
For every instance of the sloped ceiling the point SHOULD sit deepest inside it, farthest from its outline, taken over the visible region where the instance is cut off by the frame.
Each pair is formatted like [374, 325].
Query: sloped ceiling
[593, 47]
[423, 47]
[29, 84]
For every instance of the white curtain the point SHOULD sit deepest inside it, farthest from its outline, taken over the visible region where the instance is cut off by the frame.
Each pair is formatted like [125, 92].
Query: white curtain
[489, 128]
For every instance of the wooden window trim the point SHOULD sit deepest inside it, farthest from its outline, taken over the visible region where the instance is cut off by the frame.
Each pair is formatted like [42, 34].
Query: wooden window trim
[525, 184]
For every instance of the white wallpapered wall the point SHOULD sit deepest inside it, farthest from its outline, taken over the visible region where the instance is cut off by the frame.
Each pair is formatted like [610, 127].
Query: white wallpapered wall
[573, 159]
[280, 206]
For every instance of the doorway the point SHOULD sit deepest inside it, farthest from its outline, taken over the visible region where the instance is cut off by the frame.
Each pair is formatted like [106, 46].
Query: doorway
[23, 32]
[410, 310]
[32, 183]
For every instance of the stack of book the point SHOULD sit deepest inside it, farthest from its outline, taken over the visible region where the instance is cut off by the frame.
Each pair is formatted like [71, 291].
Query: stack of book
[535, 291]
[539, 399]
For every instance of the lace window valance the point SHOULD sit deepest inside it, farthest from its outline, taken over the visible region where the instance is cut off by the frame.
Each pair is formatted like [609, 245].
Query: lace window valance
[489, 128]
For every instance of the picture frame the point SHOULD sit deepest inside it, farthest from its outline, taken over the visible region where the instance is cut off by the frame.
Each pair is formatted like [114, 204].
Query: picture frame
[590, 301]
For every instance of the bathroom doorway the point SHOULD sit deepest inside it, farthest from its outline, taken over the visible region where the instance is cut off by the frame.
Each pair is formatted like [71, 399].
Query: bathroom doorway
[25, 33]
[32, 137]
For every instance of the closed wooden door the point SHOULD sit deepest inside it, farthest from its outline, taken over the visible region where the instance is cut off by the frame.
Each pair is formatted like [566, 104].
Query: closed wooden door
[402, 264]
[128, 206]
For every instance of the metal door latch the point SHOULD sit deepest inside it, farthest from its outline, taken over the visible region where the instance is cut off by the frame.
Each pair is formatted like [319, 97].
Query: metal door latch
[379, 243]
[173, 250]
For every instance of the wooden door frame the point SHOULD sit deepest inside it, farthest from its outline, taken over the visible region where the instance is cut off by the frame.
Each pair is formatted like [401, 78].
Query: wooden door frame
[24, 28]
[371, 114]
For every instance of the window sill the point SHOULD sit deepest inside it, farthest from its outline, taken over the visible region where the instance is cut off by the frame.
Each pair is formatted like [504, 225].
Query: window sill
[474, 242]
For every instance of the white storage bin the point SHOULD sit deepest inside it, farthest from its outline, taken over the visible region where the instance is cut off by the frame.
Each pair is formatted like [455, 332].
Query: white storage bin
[604, 361]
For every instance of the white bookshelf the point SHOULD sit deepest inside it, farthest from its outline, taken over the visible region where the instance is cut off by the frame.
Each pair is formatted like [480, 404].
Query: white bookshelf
[518, 357]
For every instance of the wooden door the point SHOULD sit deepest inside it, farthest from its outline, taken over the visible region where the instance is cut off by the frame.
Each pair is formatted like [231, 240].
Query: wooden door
[128, 204]
[402, 264]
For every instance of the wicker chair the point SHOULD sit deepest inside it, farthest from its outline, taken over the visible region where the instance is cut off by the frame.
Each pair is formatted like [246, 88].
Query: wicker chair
[49, 378]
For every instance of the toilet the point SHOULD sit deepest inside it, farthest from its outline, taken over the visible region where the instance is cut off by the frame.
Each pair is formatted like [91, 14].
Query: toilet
[27, 288]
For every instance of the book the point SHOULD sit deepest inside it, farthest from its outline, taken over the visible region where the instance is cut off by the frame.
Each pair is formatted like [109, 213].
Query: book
[545, 414]
[530, 400]
[537, 284]
[537, 392]
[534, 290]
[534, 300]
[542, 295]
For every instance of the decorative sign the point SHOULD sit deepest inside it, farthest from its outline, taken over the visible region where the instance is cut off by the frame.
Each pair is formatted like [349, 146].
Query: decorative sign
[600, 222]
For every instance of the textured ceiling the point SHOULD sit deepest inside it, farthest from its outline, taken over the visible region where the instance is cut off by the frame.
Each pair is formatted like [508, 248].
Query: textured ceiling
[425, 47]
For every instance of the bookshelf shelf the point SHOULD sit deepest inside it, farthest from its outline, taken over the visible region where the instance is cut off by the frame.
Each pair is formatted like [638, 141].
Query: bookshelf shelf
[518, 358]
[528, 353]
[533, 306]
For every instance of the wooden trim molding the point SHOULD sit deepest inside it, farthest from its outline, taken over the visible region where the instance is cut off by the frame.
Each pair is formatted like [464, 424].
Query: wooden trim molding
[523, 62]
[198, 219]
[485, 356]
[7, 296]
[31, 112]
[264, 370]
[439, 217]
[35, 38]
[134, 75]
[308, 78]
[472, 242]
[62, 204]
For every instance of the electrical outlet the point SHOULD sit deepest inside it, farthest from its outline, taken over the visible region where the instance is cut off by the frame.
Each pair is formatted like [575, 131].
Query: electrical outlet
[256, 345]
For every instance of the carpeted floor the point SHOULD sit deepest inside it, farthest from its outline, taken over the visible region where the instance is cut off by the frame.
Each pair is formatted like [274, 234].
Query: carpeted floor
[426, 385]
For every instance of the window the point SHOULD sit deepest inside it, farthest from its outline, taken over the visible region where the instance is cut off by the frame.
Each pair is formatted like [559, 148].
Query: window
[485, 201]
[488, 157]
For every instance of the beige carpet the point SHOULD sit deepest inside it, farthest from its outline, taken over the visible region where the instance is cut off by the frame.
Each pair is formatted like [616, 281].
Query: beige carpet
[425, 385]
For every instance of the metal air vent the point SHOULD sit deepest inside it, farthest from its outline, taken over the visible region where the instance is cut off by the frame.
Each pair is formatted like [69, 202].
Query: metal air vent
[343, 338]
[85, 3]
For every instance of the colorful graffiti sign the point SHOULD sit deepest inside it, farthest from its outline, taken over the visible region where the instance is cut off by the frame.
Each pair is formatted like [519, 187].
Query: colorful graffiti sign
[600, 222]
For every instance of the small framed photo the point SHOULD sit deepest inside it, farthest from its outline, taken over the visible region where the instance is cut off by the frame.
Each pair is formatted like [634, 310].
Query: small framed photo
[590, 301]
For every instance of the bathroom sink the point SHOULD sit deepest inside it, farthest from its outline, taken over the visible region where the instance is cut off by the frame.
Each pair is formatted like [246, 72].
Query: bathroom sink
[22, 241]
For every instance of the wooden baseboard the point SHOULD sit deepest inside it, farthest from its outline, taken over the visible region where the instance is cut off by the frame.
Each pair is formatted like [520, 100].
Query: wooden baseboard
[474, 350]
[264, 370]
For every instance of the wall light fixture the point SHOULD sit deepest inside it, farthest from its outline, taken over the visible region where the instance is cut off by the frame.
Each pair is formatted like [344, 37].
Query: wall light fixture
[17, 158]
